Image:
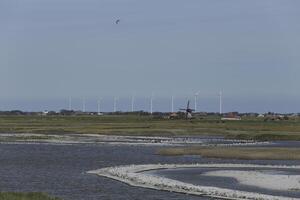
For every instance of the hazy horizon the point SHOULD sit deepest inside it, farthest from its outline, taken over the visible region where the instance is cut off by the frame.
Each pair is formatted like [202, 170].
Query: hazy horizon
[160, 104]
[53, 49]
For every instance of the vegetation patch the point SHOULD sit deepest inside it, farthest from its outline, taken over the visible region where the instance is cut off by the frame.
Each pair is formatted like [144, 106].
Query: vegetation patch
[24, 137]
[248, 128]
[244, 153]
[265, 136]
[25, 196]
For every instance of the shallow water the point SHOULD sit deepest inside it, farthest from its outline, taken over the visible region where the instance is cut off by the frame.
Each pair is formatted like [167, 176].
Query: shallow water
[61, 170]
[196, 176]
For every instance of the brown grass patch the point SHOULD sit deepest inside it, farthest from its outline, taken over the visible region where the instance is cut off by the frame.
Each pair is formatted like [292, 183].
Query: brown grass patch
[245, 153]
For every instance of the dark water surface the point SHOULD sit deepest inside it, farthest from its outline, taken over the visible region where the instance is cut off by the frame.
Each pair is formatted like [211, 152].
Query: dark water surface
[60, 170]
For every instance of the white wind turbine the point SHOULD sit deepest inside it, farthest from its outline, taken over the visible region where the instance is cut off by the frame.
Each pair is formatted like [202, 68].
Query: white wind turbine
[220, 102]
[132, 102]
[70, 103]
[172, 104]
[151, 103]
[115, 104]
[83, 104]
[99, 105]
[195, 100]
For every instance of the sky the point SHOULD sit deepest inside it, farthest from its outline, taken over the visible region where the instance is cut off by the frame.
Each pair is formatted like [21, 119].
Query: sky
[51, 50]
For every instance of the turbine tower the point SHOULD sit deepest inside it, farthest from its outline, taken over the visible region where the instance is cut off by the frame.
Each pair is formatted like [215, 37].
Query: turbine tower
[172, 104]
[195, 101]
[220, 102]
[132, 102]
[70, 103]
[151, 104]
[83, 104]
[115, 104]
[98, 105]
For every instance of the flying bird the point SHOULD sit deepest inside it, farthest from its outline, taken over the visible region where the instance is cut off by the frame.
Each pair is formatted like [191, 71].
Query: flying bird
[118, 21]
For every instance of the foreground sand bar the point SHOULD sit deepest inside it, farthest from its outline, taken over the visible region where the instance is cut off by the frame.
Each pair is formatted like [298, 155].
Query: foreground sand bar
[133, 175]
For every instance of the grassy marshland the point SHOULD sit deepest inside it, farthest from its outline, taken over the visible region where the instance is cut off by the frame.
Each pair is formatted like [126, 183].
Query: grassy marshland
[244, 153]
[248, 128]
[25, 196]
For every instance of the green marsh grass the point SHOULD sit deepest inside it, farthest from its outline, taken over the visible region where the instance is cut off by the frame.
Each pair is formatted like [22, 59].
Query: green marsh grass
[248, 128]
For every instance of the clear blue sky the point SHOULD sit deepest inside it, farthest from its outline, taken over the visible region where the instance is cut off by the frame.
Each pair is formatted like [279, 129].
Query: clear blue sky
[53, 49]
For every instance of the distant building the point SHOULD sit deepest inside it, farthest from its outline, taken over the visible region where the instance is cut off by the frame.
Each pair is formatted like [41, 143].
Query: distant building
[45, 112]
[173, 116]
[231, 117]
[261, 116]
[236, 118]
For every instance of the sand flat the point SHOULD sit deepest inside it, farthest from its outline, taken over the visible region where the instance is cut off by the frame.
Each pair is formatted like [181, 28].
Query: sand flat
[262, 179]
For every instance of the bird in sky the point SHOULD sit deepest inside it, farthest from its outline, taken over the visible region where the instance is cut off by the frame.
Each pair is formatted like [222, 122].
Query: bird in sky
[118, 21]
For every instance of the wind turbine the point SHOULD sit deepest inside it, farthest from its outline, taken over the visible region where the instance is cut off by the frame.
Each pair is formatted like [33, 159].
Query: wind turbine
[195, 100]
[132, 102]
[98, 106]
[220, 102]
[83, 104]
[115, 104]
[70, 103]
[151, 104]
[172, 104]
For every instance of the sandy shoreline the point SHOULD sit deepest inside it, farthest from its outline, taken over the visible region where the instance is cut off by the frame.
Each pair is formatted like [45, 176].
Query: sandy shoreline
[132, 175]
